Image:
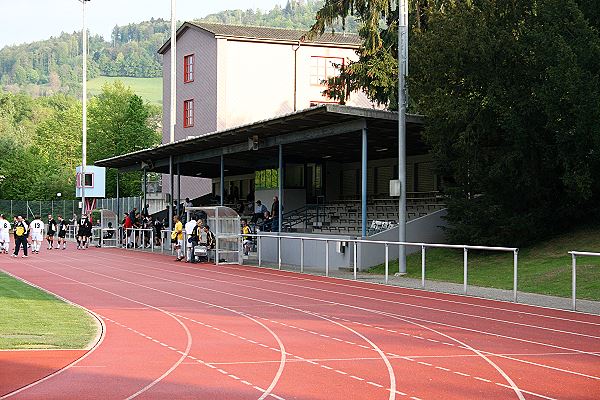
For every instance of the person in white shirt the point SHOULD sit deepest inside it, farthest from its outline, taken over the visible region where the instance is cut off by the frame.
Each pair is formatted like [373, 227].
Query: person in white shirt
[4, 235]
[36, 228]
[189, 229]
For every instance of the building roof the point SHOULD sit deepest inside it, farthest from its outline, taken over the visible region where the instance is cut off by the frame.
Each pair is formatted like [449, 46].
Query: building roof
[260, 33]
[316, 133]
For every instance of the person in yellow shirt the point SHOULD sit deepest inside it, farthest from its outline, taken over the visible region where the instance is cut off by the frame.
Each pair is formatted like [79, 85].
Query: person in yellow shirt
[178, 233]
[246, 240]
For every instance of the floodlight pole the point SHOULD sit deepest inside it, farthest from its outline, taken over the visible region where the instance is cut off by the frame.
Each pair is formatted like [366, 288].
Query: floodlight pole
[84, 108]
[173, 72]
[402, 72]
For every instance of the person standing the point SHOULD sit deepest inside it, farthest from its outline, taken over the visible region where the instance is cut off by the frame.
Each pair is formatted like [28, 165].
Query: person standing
[127, 232]
[62, 232]
[36, 229]
[51, 231]
[20, 233]
[83, 226]
[4, 235]
[189, 229]
[177, 237]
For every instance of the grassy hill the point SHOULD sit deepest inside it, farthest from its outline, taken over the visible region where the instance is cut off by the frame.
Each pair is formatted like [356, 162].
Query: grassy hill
[544, 268]
[149, 89]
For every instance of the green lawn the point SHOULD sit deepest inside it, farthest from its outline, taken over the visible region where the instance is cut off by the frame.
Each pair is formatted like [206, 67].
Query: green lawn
[544, 268]
[150, 89]
[33, 319]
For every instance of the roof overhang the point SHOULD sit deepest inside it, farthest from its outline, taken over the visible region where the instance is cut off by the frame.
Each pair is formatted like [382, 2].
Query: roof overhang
[190, 25]
[319, 133]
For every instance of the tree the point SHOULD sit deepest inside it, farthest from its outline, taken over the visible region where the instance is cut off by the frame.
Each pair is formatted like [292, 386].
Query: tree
[511, 91]
[119, 123]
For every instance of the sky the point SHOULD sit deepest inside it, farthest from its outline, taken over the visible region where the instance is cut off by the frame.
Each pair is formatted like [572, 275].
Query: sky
[23, 21]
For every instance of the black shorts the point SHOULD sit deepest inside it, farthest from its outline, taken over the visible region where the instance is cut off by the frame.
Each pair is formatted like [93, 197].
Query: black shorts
[62, 234]
[50, 234]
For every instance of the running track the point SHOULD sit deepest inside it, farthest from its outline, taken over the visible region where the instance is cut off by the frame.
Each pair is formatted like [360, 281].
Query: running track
[182, 331]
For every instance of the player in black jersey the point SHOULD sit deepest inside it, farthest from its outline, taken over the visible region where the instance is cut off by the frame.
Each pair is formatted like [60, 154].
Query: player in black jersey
[50, 231]
[62, 227]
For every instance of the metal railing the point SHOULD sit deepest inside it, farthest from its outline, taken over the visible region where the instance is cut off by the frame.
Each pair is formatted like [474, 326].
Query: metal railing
[387, 244]
[574, 255]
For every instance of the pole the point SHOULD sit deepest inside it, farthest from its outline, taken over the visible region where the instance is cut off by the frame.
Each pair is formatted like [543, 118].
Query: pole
[301, 255]
[145, 190]
[178, 191]
[364, 184]
[423, 267]
[222, 185]
[170, 208]
[574, 282]
[465, 266]
[280, 190]
[326, 257]
[515, 274]
[172, 119]
[402, 71]
[84, 108]
[118, 200]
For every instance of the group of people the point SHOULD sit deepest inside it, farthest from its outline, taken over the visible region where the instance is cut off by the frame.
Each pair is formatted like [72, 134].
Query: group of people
[135, 222]
[27, 234]
[265, 220]
[198, 235]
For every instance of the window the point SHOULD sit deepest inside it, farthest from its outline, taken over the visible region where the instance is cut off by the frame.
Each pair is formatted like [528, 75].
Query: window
[323, 68]
[294, 176]
[188, 113]
[188, 68]
[266, 179]
[89, 179]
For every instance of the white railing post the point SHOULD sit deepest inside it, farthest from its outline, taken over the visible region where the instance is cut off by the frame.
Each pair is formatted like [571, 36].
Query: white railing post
[326, 257]
[423, 266]
[574, 282]
[278, 252]
[465, 262]
[387, 262]
[515, 274]
[301, 255]
[258, 250]
[355, 259]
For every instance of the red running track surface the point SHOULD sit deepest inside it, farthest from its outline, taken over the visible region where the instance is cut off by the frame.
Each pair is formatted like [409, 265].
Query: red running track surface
[182, 331]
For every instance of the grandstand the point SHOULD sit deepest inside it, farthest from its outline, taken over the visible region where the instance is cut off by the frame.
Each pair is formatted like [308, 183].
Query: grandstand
[315, 161]
[344, 216]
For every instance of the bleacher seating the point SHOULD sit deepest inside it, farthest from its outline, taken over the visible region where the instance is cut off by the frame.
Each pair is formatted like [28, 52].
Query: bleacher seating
[344, 217]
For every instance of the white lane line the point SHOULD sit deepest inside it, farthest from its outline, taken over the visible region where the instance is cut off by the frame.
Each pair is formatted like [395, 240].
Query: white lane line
[516, 389]
[373, 345]
[189, 337]
[299, 310]
[331, 282]
[97, 340]
[391, 315]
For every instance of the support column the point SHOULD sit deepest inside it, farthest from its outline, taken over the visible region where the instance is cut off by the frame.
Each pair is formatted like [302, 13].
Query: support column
[363, 168]
[222, 182]
[118, 198]
[145, 192]
[402, 72]
[178, 191]
[170, 207]
[280, 190]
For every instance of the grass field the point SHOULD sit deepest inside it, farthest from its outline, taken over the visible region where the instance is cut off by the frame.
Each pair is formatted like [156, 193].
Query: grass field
[544, 268]
[150, 89]
[33, 319]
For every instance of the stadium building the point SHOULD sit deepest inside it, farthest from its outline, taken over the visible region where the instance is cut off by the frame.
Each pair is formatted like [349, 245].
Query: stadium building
[250, 114]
